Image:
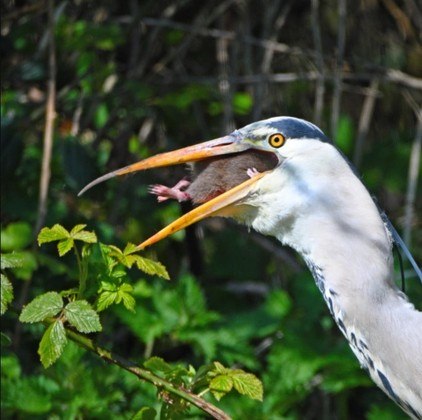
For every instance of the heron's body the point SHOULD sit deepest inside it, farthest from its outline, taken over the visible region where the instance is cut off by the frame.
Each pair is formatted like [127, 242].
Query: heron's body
[348, 250]
[313, 202]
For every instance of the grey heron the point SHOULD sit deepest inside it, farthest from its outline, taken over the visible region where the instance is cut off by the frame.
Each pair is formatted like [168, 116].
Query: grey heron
[297, 187]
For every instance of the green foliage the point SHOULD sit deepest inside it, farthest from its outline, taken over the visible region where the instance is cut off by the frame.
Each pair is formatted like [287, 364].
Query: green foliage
[81, 315]
[223, 380]
[52, 343]
[44, 306]
[128, 258]
[6, 293]
[112, 293]
[66, 240]
[16, 236]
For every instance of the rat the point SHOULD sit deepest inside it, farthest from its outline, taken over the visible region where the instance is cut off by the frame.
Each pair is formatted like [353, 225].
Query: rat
[214, 176]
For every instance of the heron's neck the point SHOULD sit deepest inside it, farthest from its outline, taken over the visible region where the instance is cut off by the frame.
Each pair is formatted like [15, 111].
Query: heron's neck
[344, 242]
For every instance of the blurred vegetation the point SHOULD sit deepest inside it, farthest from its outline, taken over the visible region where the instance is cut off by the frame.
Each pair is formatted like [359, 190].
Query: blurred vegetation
[139, 77]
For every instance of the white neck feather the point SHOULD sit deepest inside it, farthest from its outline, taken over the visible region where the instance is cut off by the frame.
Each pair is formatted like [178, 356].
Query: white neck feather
[322, 210]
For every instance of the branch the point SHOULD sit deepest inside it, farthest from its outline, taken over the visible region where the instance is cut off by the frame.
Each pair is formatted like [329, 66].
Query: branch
[365, 121]
[386, 76]
[320, 84]
[49, 121]
[412, 180]
[144, 374]
[341, 37]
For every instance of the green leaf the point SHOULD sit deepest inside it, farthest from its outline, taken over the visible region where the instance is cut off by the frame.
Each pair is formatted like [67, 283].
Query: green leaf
[56, 233]
[28, 264]
[59, 233]
[157, 364]
[151, 267]
[43, 306]
[127, 257]
[65, 246]
[83, 235]
[221, 385]
[248, 384]
[115, 293]
[16, 236]
[145, 413]
[11, 260]
[106, 299]
[81, 315]
[52, 343]
[6, 293]
[127, 299]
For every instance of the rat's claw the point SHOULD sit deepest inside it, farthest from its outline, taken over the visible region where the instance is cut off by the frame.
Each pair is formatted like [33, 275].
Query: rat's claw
[163, 193]
[251, 172]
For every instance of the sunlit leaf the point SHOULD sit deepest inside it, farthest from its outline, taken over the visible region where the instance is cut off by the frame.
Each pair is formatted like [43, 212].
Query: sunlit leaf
[220, 386]
[6, 293]
[248, 384]
[56, 233]
[81, 315]
[43, 306]
[65, 246]
[152, 267]
[83, 235]
[52, 343]
[11, 260]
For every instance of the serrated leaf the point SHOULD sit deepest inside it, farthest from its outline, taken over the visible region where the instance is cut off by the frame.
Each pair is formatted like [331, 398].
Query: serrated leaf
[145, 413]
[81, 315]
[43, 306]
[6, 293]
[130, 249]
[52, 343]
[11, 260]
[249, 385]
[128, 301]
[83, 235]
[157, 364]
[106, 299]
[76, 229]
[151, 267]
[56, 233]
[65, 246]
[221, 385]
[220, 369]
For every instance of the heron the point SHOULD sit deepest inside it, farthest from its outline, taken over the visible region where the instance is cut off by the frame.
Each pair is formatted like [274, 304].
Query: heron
[283, 177]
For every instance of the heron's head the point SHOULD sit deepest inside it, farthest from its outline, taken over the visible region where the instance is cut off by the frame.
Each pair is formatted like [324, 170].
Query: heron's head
[277, 139]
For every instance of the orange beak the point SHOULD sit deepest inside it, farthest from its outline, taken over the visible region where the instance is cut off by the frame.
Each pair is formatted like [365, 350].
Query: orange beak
[214, 207]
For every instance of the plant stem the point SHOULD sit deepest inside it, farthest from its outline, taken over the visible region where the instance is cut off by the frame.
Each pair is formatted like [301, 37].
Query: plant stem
[82, 275]
[144, 374]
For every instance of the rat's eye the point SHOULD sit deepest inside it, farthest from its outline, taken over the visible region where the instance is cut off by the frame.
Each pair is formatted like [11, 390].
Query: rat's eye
[276, 140]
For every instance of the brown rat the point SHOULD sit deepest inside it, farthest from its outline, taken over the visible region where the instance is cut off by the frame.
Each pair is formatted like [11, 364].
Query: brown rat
[214, 176]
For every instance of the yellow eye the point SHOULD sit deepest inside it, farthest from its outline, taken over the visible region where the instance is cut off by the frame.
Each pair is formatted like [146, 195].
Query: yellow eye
[276, 140]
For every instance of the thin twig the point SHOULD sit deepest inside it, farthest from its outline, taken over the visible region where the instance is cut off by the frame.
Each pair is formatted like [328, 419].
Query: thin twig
[365, 120]
[341, 37]
[320, 83]
[274, 29]
[222, 53]
[412, 181]
[49, 122]
[389, 76]
[144, 374]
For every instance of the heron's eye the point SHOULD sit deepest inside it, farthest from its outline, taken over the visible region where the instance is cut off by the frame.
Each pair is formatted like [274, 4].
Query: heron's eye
[276, 140]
